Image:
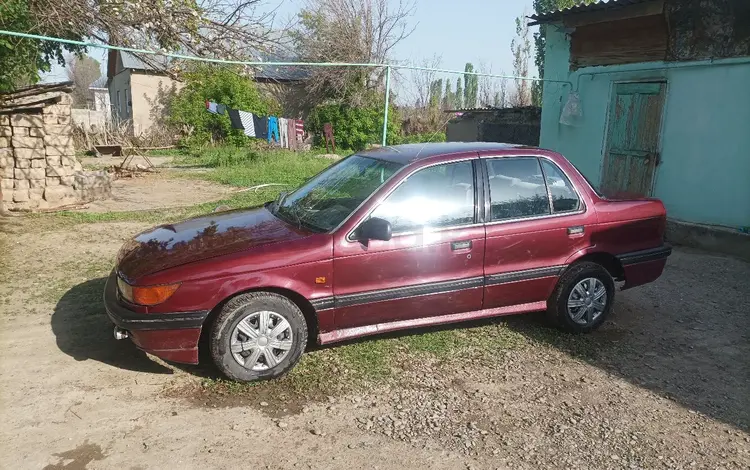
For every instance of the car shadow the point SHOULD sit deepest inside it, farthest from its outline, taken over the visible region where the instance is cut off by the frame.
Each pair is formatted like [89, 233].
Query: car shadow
[83, 331]
[685, 337]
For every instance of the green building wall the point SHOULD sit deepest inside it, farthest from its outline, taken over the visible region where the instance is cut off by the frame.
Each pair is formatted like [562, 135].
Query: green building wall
[704, 175]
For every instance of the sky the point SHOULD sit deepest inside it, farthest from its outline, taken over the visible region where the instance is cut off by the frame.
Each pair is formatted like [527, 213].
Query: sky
[477, 31]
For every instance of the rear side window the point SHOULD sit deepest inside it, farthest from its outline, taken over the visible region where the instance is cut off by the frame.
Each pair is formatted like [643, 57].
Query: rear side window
[517, 188]
[438, 196]
[564, 197]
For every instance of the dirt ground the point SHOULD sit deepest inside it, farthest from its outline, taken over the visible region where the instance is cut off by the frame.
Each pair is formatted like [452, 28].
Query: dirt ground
[155, 191]
[664, 384]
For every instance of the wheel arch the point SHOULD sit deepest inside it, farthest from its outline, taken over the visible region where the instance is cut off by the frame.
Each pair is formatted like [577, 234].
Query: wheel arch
[605, 259]
[308, 311]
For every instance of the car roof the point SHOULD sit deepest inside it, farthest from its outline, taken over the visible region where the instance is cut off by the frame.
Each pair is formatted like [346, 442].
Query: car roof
[410, 153]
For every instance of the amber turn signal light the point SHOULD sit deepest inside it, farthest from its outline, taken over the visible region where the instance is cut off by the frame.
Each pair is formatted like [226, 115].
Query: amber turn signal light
[153, 295]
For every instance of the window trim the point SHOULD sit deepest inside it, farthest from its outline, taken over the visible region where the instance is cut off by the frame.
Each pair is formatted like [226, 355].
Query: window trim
[488, 208]
[549, 192]
[349, 236]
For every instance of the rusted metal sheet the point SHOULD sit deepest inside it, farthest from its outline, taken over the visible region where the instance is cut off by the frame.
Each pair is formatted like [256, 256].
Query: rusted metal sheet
[619, 42]
[632, 149]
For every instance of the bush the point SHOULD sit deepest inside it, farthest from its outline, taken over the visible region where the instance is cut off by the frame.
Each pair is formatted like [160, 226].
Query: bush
[222, 85]
[353, 127]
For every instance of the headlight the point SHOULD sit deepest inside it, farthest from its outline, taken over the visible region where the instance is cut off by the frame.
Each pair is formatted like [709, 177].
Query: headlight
[146, 295]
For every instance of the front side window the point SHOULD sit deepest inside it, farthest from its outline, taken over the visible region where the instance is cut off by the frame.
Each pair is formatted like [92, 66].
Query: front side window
[564, 197]
[438, 196]
[517, 188]
[326, 200]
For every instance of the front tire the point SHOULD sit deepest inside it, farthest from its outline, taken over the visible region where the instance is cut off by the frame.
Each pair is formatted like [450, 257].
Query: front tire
[582, 299]
[258, 336]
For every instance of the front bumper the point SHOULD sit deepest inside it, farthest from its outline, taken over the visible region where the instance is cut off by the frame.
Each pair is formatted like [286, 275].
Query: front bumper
[171, 336]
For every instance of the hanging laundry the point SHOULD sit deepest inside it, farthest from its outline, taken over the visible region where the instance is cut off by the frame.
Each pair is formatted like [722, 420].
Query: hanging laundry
[247, 123]
[299, 126]
[284, 133]
[273, 129]
[261, 126]
[221, 109]
[211, 107]
[292, 133]
[234, 118]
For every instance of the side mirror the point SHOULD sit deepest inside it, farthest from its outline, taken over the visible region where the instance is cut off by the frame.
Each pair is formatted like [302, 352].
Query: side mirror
[374, 228]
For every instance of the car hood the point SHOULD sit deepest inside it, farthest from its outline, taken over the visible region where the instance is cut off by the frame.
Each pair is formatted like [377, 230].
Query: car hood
[171, 245]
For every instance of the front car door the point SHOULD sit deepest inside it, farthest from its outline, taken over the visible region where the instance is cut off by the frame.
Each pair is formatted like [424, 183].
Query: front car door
[537, 220]
[433, 264]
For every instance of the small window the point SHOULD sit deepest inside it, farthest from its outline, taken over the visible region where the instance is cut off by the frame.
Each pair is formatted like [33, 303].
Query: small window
[127, 103]
[517, 188]
[438, 196]
[564, 197]
[119, 104]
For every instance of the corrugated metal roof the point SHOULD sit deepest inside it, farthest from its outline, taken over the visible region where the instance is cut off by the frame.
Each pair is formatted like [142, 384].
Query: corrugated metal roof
[153, 62]
[486, 109]
[582, 8]
[280, 73]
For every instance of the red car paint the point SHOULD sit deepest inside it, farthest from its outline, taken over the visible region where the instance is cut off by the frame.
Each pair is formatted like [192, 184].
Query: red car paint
[510, 266]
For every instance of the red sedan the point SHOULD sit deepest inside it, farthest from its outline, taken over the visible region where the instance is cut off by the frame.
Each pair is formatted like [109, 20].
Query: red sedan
[386, 239]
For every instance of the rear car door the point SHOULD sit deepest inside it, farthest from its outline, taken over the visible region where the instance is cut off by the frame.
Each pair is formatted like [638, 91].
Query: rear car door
[433, 264]
[537, 220]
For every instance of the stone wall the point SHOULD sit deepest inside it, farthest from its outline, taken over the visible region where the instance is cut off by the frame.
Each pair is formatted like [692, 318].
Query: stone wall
[38, 167]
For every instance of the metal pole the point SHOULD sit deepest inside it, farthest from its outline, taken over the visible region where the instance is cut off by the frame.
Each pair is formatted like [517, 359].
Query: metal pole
[387, 98]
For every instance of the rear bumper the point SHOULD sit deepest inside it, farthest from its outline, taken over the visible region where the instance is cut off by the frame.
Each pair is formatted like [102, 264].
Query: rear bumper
[644, 266]
[171, 336]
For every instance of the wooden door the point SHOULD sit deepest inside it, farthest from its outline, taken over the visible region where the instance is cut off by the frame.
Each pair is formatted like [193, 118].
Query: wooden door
[632, 150]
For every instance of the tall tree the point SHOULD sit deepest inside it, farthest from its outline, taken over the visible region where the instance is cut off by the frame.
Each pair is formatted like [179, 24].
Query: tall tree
[436, 93]
[459, 101]
[448, 96]
[211, 28]
[82, 70]
[520, 46]
[421, 80]
[471, 86]
[540, 37]
[349, 31]
[23, 59]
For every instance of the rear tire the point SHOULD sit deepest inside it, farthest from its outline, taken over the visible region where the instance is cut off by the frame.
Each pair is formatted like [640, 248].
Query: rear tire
[258, 336]
[582, 299]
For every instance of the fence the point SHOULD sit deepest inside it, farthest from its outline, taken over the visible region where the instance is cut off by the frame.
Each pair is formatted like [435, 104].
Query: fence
[389, 68]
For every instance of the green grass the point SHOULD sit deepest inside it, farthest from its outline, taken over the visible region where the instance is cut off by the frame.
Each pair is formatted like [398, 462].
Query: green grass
[248, 167]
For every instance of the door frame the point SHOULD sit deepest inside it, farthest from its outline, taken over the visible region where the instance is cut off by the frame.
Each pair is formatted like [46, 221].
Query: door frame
[608, 116]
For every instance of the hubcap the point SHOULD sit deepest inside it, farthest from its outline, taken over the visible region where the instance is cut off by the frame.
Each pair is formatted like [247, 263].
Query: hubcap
[587, 301]
[261, 340]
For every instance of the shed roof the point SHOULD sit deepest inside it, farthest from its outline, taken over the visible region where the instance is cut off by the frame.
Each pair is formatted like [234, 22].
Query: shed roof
[159, 63]
[34, 97]
[601, 5]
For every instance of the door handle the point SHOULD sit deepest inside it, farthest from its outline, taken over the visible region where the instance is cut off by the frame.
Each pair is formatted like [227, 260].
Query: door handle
[577, 230]
[462, 245]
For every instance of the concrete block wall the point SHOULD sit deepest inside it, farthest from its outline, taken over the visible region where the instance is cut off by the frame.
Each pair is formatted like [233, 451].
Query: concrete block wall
[38, 167]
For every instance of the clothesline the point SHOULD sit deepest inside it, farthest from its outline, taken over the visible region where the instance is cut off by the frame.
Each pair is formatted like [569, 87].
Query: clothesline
[288, 133]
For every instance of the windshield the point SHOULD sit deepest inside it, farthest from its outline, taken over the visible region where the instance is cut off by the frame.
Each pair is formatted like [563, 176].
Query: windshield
[326, 200]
